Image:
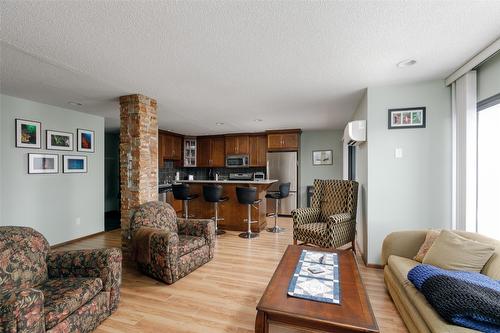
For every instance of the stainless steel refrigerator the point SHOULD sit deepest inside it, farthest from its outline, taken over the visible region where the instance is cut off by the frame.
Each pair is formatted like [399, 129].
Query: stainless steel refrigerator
[283, 167]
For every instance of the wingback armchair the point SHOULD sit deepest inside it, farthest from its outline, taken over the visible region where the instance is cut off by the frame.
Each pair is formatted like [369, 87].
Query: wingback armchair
[54, 291]
[330, 222]
[176, 246]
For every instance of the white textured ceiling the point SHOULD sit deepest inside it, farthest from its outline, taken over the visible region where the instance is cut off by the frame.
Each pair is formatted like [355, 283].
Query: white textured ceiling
[291, 63]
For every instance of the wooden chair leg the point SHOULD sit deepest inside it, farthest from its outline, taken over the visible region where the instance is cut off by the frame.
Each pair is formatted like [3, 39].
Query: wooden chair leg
[294, 242]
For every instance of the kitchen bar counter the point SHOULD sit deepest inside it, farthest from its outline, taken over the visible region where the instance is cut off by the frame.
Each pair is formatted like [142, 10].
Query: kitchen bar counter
[251, 182]
[231, 210]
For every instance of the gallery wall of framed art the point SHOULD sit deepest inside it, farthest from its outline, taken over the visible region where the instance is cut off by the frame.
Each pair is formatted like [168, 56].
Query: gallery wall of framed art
[28, 135]
[53, 193]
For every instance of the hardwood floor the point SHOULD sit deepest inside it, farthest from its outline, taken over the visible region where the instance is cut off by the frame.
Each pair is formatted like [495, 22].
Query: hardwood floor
[220, 296]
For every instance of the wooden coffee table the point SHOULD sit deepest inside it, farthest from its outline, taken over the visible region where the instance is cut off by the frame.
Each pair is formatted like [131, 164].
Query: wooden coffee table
[353, 314]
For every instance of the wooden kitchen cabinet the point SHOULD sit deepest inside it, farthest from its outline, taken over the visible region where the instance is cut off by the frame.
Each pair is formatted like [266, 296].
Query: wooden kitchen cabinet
[169, 147]
[237, 145]
[258, 150]
[217, 150]
[283, 140]
[210, 151]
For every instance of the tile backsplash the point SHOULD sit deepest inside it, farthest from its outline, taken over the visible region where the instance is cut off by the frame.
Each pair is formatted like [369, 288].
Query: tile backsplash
[166, 173]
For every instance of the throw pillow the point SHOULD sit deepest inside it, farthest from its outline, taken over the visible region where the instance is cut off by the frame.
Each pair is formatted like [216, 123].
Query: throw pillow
[431, 236]
[453, 252]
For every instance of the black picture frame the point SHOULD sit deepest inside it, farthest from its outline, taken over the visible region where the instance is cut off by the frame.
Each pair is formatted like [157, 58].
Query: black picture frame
[19, 144]
[321, 161]
[49, 145]
[79, 147]
[401, 118]
[68, 170]
[32, 170]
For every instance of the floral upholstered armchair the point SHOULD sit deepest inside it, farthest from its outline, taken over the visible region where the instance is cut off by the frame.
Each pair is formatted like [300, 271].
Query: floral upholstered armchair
[167, 247]
[54, 291]
[330, 222]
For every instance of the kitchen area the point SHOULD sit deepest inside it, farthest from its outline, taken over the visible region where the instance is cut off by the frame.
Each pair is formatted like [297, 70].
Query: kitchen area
[260, 160]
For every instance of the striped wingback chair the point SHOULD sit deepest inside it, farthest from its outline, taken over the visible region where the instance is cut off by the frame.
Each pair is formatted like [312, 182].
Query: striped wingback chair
[330, 222]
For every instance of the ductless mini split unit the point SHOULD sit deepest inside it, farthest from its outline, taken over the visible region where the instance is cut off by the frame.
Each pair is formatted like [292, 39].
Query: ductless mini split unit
[355, 133]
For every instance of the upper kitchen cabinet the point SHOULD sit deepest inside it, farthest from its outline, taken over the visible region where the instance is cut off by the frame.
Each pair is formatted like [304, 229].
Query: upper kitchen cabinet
[189, 152]
[210, 151]
[286, 140]
[237, 145]
[169, 146]
[258, 150]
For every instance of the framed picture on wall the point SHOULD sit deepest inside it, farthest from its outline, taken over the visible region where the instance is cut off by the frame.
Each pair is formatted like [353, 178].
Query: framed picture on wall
[28, 134]
[85, 140]
[59, 140]
[74, 164]
[407, 118]
[43, 163]
[322, 157]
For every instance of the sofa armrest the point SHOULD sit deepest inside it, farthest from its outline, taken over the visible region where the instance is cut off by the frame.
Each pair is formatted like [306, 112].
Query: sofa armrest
[105, 264]
[21, 311]
[403, 244]
[305, 215]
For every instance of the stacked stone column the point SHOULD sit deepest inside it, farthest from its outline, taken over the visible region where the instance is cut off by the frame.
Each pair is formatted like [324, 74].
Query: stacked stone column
[138, 156]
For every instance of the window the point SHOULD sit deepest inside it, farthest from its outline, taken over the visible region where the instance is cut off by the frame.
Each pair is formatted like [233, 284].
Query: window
[488, 170]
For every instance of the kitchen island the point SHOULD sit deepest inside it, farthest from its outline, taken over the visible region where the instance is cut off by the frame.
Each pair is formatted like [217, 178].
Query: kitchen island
[231, 210]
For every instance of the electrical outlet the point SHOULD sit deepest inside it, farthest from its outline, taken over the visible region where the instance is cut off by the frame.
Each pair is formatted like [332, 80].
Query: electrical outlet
[398, 153]
[77, 221]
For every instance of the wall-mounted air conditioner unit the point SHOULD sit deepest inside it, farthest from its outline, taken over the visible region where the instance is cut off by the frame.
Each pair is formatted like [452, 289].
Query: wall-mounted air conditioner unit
[355, 133]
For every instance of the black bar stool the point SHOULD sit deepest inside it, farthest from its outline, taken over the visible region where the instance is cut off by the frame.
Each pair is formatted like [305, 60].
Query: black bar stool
[213, 193]
[248, 196]
[283, 192]
[181, 192]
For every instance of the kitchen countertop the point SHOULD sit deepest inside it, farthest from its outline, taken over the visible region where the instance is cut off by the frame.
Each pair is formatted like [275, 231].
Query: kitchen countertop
[253, 182]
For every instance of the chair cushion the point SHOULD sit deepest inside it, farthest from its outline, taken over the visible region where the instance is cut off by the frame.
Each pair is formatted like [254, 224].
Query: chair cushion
[66, 295]
[312, 231]
[188, 244]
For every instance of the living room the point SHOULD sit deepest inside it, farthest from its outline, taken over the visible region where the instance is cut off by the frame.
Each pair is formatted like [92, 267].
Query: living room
[174, 163]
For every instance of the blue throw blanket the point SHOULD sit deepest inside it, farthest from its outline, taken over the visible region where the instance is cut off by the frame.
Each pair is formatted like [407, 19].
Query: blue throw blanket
[466, 299]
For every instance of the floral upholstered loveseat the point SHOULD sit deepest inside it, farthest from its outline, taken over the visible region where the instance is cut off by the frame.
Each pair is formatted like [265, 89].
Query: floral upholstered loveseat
[54, 291]
[176, 246]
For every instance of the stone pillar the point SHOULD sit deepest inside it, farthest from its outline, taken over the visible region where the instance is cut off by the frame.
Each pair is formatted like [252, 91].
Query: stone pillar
[138, 156]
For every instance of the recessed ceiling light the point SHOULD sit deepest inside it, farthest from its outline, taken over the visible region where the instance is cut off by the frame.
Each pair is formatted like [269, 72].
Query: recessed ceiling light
[258, 120]
[406, 63]
[75, 103]
[219, 123]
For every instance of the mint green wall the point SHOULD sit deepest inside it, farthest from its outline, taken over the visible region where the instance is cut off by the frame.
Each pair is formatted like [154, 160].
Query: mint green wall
[318, 140]
[488, 78]
[60, 206]
[413, 192]
[362, 178]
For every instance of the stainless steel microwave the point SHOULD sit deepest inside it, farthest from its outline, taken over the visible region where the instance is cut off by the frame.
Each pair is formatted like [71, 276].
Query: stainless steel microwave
[237, 161]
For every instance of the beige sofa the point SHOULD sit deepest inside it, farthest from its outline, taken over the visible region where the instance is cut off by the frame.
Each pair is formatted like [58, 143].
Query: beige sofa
[398, 251]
